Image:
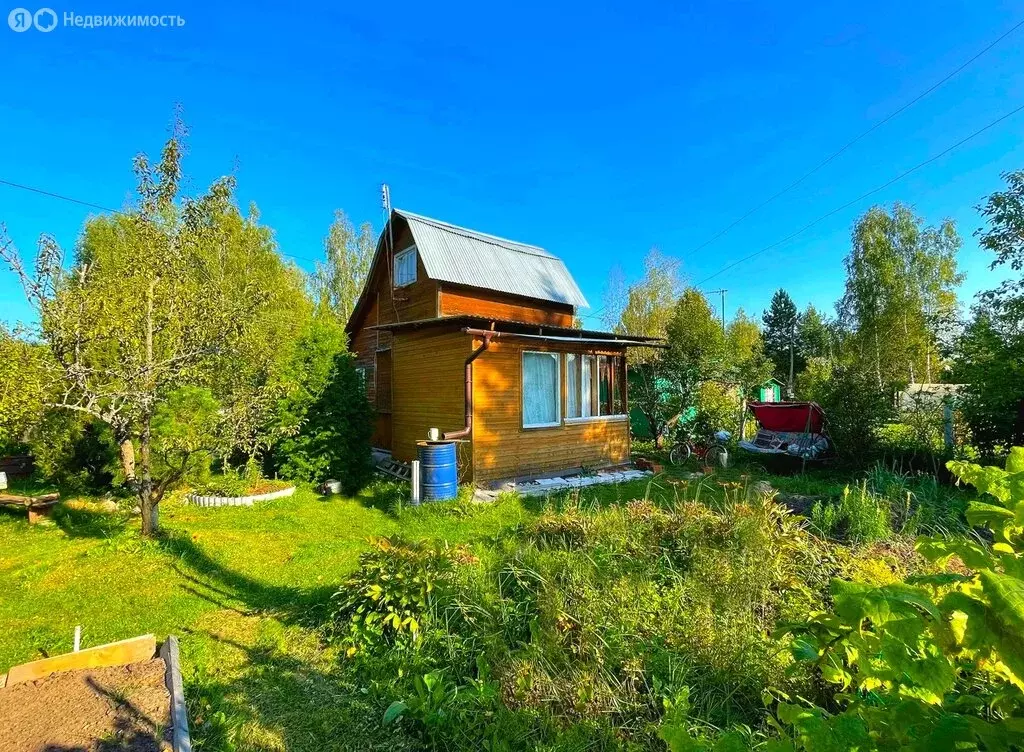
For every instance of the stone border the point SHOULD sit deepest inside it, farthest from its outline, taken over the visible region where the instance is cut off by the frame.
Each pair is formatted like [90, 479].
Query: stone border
[237, 501]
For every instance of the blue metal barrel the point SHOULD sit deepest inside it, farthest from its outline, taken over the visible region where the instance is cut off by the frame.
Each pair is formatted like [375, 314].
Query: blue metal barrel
[438, 470]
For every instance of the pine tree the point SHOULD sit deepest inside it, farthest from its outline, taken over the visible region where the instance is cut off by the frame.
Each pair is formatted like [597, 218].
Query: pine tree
[781, 322]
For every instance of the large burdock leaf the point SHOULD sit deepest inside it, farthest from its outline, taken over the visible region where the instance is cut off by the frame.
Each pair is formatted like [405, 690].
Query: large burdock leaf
[1005, 620]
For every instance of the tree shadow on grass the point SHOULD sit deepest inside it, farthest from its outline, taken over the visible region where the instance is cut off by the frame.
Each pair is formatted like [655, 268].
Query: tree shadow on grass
[276, 700]
[280, 701]
[386, 496]
[218, 584]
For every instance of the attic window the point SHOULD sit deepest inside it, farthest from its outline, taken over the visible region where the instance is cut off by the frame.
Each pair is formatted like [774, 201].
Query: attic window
[405, 267]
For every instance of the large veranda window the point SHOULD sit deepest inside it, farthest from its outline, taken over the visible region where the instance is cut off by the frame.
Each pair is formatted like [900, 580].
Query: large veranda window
[593, 385]
[541, 389]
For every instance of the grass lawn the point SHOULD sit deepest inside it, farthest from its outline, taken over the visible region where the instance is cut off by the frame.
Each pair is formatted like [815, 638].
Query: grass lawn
[241, 587]
[245, 589]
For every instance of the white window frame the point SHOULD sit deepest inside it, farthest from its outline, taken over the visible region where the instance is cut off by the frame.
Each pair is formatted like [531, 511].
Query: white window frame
[557, 357]
[595, 393]
[400, 260]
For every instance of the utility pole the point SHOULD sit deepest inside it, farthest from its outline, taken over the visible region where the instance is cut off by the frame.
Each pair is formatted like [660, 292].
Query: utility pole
[722, 293]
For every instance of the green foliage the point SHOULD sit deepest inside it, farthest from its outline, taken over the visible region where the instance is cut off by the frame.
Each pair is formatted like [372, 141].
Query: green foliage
[860, 516]
[814, 337]
[337, 281]
[73, 451]
[718, 408]
[1004, 211]
[176, 292]
[900, 297]
[696, 353]
[644, 309]
[397, 586]
[23, 388]
[936, 662]
[334, 440]
[746, 362]
[576, 629]
[990, 364]
[856, 410]
[306, 374]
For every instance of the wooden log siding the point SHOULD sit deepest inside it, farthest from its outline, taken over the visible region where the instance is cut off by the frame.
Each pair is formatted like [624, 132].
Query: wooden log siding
[456, 300]
[428, 377]
[502, 448]
[408, 303]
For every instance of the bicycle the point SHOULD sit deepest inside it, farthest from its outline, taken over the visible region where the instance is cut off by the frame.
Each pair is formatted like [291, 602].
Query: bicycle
[710, 453]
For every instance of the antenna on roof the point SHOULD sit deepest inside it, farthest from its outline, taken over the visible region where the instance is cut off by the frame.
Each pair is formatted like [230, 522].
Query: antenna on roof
[385, 198]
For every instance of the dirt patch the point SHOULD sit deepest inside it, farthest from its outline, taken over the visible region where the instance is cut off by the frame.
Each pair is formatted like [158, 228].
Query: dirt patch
[91, 710]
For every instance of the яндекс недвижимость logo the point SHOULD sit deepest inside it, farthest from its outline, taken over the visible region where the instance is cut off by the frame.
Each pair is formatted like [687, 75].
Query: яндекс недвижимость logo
[22, 19]
[46, 19]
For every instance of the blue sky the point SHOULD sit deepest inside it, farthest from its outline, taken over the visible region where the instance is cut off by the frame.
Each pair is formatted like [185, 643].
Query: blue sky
[594, 130]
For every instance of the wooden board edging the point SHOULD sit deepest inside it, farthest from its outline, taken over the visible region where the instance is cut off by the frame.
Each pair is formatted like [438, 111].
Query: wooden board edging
[180, 739]
[102, 656]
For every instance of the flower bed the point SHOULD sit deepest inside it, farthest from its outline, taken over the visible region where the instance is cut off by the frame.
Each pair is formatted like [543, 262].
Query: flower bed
[216, 500]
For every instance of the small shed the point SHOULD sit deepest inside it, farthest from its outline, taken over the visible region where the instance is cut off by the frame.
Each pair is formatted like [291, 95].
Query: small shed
[770, 391]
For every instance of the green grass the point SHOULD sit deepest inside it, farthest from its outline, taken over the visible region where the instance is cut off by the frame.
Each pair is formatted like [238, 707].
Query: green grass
[247, 589]
[241, 587]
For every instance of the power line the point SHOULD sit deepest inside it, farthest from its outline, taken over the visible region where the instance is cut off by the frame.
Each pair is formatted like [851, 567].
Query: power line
[57, 195]
[91, 205]
[870, 130]
[860, 198]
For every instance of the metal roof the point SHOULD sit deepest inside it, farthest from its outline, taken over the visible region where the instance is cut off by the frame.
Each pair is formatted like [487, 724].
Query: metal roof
[467, 257]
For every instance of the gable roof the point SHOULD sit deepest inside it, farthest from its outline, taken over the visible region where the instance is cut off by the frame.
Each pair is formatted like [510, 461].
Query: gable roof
[476, 259]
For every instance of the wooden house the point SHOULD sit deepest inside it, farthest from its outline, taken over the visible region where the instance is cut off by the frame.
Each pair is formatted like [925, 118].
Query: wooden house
[473, 335]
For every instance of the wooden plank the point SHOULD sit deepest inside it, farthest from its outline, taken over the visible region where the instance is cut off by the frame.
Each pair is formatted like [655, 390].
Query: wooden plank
[113, 654]
[30, 501]
[180, 739]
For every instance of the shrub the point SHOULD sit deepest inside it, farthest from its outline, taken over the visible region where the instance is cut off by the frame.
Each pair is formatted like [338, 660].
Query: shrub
[334, 440]
[718, 408]
[856, 410]
[74, 452]
[395, 590]
[935, 662]
[861, 516]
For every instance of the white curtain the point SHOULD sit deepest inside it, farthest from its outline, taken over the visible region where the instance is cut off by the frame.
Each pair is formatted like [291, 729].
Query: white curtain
[572, 386]
[587, 386]
[540, 388]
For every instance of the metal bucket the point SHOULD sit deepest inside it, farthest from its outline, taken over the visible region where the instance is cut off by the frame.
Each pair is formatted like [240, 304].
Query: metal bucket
[438, 469]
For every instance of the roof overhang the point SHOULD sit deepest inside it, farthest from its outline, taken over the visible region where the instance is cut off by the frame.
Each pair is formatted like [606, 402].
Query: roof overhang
[520, 329]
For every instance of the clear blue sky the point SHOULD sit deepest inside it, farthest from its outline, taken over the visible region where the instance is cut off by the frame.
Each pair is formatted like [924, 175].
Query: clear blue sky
[593, 130]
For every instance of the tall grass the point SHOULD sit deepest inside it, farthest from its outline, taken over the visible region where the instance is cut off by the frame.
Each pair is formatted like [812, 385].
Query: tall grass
[886, 503]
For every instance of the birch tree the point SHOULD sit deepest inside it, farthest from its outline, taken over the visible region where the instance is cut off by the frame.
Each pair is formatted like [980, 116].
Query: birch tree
[901, 280]
[644, 309]
[348, 253]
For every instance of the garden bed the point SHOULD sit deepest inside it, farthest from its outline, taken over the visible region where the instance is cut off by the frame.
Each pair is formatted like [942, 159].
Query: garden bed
[217, 500]
[93, 700]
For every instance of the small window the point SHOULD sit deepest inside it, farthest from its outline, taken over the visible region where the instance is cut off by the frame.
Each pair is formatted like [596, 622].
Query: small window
[405, 267]
[541, 392]
[610, 398]
[361, 375]
[579, 385]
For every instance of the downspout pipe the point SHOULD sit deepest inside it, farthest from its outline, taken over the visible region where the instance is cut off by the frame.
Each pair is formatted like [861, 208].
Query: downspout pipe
[465, 431]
